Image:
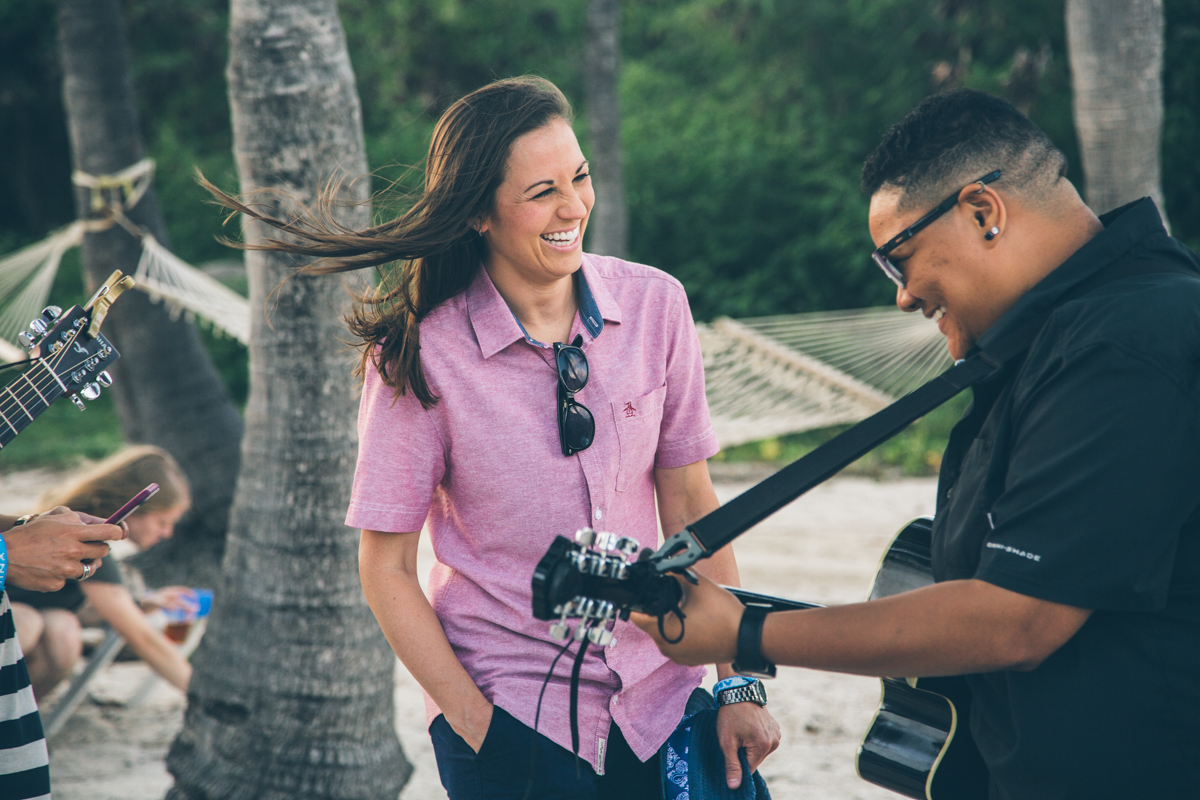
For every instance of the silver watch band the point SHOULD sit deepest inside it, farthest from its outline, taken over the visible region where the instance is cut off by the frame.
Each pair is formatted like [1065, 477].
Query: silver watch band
[750, 693]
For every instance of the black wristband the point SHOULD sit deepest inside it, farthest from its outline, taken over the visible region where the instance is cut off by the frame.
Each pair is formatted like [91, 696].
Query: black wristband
[749, 644]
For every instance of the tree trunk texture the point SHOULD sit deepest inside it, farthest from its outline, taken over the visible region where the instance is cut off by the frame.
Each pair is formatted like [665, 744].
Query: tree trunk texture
[608, 228]
[1116, 51]
[292, 692]
[166, 390]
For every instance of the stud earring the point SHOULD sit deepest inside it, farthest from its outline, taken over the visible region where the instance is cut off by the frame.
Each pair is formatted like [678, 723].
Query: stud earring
[992, 234]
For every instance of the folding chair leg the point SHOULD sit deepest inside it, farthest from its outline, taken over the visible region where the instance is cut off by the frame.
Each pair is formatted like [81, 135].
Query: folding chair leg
[64, 708]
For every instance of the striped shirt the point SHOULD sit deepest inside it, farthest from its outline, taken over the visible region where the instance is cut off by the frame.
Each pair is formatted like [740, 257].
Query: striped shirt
[24, 761]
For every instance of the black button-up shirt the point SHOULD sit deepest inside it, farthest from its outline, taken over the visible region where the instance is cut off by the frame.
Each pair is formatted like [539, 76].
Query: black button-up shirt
[1075, 478]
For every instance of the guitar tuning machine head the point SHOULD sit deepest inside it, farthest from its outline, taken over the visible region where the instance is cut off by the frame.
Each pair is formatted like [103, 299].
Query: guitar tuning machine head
[51, 313]
[78, 403]
[38, 326]
[91, 391]
[628, 546]
[104, 379]
[585, 537]
[25, 340]
[600, 636]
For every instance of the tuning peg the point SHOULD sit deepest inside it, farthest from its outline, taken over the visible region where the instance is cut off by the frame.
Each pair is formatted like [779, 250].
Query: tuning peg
[25, 340]
[104, 379]
[600, 636]
[38, 327]
[51, 313]
[91, 391]
[560, 631]
[78, 403]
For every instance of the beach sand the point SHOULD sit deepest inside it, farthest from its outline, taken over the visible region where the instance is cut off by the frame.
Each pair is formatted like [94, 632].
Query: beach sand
[824, 548]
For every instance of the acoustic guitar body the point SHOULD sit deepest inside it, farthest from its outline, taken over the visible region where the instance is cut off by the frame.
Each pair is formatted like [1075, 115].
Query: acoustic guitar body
[918, 745]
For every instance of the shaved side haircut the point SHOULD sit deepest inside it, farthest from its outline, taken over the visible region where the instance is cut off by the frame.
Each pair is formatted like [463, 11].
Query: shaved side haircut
[953, 138]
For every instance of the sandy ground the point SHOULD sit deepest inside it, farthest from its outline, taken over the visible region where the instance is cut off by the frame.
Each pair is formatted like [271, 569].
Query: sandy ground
[825, 548]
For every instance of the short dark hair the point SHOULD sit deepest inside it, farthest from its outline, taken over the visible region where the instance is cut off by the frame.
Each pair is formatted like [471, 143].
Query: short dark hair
[952, 138]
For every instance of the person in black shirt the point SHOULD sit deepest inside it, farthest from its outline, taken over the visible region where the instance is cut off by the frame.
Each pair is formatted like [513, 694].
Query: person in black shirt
[1066, 544]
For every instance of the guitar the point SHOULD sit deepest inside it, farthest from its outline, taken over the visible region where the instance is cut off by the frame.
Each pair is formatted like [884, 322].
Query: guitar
[917, 744]
[68, 355]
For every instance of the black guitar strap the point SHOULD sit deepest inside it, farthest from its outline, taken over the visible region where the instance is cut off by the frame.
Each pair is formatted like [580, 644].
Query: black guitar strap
[754, 505]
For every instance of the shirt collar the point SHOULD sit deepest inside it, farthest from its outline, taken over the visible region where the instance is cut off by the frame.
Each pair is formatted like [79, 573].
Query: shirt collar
[496, 326]
[1124, 228]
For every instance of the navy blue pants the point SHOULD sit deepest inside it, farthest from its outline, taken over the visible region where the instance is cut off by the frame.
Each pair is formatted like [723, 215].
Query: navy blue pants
[501, 769]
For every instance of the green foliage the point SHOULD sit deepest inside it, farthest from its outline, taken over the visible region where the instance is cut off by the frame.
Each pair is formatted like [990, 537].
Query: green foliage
[63, 435]
[745, 123]
[916, 451]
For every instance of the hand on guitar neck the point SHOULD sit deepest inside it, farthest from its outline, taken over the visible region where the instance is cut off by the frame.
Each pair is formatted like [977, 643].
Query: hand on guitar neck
[45, 551]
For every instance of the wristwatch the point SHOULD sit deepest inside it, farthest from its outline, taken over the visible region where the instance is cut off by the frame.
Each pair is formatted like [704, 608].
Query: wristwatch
[19, 521]
[749, 644]
[740, 689]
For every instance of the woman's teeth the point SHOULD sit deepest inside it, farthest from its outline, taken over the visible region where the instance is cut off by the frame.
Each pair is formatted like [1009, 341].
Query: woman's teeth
[938, 314]
[562, 237]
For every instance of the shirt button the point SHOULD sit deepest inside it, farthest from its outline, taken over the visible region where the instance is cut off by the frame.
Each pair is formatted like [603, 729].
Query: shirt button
[599, 513]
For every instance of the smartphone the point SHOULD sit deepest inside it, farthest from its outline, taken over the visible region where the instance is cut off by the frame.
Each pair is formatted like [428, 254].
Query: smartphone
[133, 505]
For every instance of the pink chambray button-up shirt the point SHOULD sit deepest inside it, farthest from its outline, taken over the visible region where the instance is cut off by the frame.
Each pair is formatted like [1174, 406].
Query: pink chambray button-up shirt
[483, 470]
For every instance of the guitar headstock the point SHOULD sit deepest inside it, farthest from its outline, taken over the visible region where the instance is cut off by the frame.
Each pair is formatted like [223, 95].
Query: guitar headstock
[74, 359]
[68, 352]
[597, 578]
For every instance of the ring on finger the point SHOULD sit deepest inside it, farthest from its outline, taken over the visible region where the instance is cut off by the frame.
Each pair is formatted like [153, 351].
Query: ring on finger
[87, 572]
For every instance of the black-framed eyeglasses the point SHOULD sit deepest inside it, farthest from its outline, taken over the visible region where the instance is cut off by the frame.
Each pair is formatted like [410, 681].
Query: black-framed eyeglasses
[576, 425]
[880, 256]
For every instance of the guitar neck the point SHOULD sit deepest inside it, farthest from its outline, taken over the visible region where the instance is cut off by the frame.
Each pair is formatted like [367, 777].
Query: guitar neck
[23, 400]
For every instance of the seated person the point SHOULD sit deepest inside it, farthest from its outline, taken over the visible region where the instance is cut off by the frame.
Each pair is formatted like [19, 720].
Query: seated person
[48, 624]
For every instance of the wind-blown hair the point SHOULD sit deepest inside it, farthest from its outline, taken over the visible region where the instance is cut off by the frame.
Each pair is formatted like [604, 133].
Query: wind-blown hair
[432, 251]
[953, 138]
[108, 485]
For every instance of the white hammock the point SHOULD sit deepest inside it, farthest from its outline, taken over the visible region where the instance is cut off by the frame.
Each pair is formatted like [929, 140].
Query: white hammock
[26, 277]
[765, 377]
[165, 276]
[773, 376]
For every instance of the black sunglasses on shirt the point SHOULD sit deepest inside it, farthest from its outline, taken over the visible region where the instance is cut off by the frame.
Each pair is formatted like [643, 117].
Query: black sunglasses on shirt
[576, 425]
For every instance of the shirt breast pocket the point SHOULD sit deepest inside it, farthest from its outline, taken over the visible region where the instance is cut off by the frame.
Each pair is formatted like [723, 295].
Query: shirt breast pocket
[637, 421]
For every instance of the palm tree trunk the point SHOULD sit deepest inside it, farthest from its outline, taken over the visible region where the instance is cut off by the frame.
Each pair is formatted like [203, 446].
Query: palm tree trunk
[291, 697]
[1116, 50]
[166, 389]
[608, 228]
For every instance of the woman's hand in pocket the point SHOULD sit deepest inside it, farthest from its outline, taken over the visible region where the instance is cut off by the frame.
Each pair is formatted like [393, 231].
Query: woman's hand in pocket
[473, 723]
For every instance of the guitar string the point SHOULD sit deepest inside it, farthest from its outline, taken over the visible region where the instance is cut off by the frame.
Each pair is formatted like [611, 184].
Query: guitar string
[48, 363]
[12, 397]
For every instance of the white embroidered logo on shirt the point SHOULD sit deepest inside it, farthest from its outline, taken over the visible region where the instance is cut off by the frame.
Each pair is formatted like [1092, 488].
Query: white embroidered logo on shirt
[1009, 549]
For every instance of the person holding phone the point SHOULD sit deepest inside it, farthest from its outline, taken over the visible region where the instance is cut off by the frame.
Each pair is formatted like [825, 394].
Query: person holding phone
[49, 623]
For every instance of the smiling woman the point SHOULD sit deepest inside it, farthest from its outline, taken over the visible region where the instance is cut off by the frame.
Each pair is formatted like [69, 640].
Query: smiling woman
[516, 389]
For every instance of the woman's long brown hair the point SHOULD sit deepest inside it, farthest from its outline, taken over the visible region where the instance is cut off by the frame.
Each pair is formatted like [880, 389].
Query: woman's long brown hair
[431, 252]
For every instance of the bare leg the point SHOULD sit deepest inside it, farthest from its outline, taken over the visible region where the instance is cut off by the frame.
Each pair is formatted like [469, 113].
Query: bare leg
[56, 651]
[28, 622]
